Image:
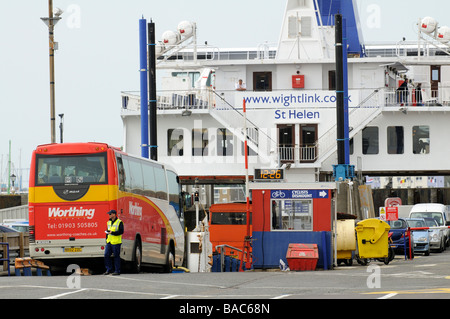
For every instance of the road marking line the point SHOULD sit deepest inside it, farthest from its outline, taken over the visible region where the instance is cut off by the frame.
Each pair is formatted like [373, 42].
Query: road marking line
[64, 294]
[428, 265]
[388, 296]
[170, 297]
[411, 292]
[167, 282]
[280, 297]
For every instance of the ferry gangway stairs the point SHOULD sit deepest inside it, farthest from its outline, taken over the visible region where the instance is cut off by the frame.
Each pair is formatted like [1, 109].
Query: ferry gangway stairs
[359, 116]
[232, 118]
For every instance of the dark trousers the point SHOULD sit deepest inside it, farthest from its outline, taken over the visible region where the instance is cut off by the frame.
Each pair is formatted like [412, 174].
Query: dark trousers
[109, 250]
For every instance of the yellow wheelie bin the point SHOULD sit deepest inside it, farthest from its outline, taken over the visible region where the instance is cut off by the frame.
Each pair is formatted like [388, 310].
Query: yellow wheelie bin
[372, 237]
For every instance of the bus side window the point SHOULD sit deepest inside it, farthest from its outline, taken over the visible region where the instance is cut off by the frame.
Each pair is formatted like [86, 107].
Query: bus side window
[174, 192]
[121, 174]
[149, 180]
[137, 180]
[161, 183]
[126, 174]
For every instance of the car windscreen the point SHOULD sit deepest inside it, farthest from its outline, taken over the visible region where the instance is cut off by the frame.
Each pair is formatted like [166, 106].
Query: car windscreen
[416, 223]
[437, 216]
[71, 169]
[398, 224]
[430, 222]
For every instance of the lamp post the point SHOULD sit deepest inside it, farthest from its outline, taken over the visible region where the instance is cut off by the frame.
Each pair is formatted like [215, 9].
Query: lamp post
[61, 126]
[51, 22]
[13, 179]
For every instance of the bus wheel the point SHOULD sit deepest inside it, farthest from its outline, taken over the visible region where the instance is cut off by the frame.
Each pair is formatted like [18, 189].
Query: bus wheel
[169, 262]
[136, 263]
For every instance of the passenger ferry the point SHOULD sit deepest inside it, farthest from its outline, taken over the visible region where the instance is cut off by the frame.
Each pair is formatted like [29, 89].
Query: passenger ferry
[289, 91]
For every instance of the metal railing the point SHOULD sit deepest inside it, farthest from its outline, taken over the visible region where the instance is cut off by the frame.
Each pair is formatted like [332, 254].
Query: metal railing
[417, 97]
[221, 100]
[221, 105]
[291, 154]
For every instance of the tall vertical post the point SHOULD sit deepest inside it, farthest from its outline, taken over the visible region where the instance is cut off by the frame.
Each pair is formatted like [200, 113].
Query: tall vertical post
[9, 168]
[345, 85]
[339, 91]
[343, 170]
[247, 191]
[144, 86]
[152, 91]
[52, 70]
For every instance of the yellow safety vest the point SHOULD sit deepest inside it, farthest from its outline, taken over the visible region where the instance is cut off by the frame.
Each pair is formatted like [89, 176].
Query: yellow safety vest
[114, 240]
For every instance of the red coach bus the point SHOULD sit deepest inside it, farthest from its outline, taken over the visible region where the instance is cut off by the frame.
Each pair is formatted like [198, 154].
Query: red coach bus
[74, 185]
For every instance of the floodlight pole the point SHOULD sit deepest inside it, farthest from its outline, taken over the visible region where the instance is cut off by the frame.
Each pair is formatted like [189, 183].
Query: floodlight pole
[50, 22]
[52, 69]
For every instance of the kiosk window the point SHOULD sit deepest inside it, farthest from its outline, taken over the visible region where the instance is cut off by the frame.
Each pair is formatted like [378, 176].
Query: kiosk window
[291, 214]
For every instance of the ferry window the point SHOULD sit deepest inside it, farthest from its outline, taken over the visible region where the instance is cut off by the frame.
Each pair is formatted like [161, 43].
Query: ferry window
[250, 151]
[80, 169]
[224, 142]
[370, 140]
[262, 81]
[395, 140]
[175, 142]
[306, 26]
[137, 181]
[286, 142]
[254, 135]
[332, 80]
[200, 142]
[421, 139]
[308, 142]
[161, 182]
[290, 214]
[351, 146]
[174, 192]
[193, 76]
[149, 180]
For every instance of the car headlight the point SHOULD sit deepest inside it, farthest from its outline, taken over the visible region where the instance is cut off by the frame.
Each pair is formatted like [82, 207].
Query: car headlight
[422, 239]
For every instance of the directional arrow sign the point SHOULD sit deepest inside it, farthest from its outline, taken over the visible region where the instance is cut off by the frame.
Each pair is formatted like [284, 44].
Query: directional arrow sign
[298, 193]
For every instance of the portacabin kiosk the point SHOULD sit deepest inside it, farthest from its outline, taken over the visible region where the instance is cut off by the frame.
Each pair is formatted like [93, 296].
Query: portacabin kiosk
[291, 213]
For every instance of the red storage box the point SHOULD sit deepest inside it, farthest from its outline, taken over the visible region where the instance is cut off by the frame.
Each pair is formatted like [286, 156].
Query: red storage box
[302, 256]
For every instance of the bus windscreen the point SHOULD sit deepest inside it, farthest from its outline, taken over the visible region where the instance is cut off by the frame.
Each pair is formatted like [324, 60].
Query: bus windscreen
[71, 169]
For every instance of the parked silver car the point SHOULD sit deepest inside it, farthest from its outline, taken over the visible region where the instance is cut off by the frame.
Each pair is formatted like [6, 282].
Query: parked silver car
[437, 238]
[421, 236]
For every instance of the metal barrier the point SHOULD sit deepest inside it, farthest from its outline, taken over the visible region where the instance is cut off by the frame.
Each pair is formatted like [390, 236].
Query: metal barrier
[226, 263]
[6, 260]
[405, 244]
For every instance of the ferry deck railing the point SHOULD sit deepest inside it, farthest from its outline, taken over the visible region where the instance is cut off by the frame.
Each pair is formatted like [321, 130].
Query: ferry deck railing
[207, 99]
[373, 101]
[305, 154]
[418, 97]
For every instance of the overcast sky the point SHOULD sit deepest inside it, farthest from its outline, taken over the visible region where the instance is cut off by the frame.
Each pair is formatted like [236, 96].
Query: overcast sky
[98, 56]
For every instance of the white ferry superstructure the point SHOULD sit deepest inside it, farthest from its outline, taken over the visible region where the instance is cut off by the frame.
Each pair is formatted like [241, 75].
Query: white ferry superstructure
[290, 95]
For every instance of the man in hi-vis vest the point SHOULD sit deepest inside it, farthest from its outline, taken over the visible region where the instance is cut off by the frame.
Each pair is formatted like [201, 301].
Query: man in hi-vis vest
[113, 242]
